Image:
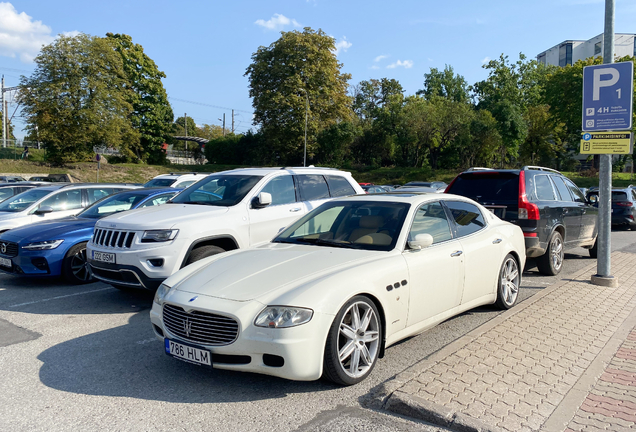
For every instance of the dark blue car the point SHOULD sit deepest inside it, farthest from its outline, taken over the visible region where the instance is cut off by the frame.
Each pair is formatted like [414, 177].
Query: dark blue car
[59, 247]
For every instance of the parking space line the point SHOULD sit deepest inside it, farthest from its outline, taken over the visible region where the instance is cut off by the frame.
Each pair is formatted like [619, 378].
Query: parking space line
[60, 297]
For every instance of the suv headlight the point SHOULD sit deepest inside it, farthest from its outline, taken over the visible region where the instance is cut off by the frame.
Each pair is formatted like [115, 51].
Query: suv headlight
[43, 245]
[158, 235]
[161, 293]
[283, 316]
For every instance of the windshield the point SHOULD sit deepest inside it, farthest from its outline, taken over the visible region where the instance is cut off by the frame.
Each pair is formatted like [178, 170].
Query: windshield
[21, 201]
[113, 204]
[367, 225]
[488, 186]
[160, 182]
[218, 190]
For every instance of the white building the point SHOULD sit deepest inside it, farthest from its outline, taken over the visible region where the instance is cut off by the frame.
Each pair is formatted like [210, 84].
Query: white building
[570, 51]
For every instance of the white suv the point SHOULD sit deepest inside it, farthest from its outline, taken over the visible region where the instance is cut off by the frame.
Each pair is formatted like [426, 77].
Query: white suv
[227, 210]
[177, 180]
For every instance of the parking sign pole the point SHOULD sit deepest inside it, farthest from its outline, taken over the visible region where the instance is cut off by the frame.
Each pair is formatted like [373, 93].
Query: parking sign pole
[603, 264]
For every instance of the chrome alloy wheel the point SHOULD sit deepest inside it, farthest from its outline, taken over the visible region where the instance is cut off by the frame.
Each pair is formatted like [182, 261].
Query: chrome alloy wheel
[79, 266]
[510, 281]
[556, 252]
[358, 339]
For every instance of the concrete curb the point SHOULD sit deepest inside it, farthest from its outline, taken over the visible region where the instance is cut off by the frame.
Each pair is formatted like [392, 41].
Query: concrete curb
[388, 396]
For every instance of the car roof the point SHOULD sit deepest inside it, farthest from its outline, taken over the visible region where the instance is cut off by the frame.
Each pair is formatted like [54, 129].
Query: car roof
[292, 170]
[24, 183]
[403, 197]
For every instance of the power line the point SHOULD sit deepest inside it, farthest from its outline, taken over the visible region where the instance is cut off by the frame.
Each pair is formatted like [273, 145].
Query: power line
[207, 105]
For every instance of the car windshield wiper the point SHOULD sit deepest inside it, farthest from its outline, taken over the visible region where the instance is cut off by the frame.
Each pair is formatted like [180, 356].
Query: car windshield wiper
[323, 242]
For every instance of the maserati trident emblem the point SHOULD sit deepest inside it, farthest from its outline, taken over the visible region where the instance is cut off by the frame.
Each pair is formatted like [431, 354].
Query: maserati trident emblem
[187, 326]
[3, 248]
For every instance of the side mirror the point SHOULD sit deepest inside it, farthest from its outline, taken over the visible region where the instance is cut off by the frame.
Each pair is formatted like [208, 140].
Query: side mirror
[44, 210]
[421, 241]
[593, 199]
[262, 200]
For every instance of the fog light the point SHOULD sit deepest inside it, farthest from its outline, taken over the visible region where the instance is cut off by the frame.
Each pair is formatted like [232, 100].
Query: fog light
[273, 360]
[40, 263]
[156, 262]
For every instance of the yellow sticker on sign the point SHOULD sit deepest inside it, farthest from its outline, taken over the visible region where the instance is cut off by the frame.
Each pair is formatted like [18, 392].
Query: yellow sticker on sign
[606, 143]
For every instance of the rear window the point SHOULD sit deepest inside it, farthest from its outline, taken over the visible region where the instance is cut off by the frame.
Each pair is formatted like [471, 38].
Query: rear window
[619, 196]
[339, 186]
[487, 187]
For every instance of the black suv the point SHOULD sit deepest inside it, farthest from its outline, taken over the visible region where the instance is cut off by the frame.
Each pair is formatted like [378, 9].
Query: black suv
[550, 209]
[623, 206]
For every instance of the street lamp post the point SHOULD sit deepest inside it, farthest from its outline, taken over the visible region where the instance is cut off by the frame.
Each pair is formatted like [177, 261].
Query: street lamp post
[306, 115]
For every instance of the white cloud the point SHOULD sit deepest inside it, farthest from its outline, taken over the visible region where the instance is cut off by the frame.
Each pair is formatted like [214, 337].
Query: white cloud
[277, 22]
[374, 67]
[71, 33]
[20, 36]
[407, 64]
[343, 45]
[380, 57]
[485, 60]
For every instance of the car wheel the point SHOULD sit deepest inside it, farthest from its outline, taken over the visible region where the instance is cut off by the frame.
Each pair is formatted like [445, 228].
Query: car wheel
[551, 262]
[594, 249]
[509, 281]
[353, 342]
[75, 265]
[203, 252]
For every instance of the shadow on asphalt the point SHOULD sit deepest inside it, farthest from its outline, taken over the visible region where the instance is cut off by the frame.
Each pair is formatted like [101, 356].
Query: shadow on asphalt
[128, 361]
[27, 296]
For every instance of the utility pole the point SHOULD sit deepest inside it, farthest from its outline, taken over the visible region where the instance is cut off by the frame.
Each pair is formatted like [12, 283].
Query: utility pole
[604, 241]
[232, 121]
[4, 116]
[185, 122]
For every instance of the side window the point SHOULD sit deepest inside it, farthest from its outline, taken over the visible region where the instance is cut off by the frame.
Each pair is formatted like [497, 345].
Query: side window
[312, 187]
[543, 188]
[282, 190]
[576, 192]
[185, 184]
[467, 217]
[65, 200]
[339, 186]
[562, 188]
[158, 200]
[431, 219]
[95, 194]
[6, 193]
[633, 195]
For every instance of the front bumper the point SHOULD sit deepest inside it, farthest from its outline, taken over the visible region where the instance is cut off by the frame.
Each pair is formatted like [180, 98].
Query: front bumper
[301, 348]
[36, 263]
[123, 275]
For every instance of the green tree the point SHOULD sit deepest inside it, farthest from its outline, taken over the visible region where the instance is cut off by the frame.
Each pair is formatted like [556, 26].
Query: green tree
[151, 112]
[76, 98]
[335, 142]
[211, 132]
[445, 84]
[369, 96]
[300, 69]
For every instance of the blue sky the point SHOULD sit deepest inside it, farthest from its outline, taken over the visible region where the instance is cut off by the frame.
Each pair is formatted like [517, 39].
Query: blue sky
[204, 47]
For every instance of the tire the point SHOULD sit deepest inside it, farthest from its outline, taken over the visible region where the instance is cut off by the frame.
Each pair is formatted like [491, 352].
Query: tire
[203, 252]
[551, 262]
[75, 266]
[509, 282]
[594, 249]
[356, 332]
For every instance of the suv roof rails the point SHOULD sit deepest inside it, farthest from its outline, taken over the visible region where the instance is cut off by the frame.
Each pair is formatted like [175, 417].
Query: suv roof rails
[310, 166]
[479, 169]
[183, 173]
[532, 167]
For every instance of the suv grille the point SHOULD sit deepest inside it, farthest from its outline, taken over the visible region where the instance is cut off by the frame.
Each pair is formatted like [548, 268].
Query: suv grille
[202, 327]
[113, 238]
[9, 249]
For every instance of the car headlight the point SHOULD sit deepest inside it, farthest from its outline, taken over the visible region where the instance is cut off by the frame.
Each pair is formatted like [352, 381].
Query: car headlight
[161, 293]
[283, 316]
[158, 235]
[43, 245]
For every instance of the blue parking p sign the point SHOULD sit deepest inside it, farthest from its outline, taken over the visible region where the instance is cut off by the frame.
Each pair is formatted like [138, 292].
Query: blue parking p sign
[608, 91]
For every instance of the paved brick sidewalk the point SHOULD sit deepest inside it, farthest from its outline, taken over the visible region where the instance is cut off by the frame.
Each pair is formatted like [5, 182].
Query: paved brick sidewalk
[533, 367]
[611, 405]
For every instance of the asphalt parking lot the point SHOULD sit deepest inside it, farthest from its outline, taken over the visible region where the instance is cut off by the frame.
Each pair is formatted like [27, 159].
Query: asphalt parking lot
[85, 358]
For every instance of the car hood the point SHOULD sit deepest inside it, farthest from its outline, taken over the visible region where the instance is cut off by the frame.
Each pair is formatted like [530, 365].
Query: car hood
[160, 217]
[252, 273]
[53, 230]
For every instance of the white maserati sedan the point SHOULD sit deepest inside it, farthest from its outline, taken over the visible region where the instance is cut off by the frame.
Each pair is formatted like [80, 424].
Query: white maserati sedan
[333, 290]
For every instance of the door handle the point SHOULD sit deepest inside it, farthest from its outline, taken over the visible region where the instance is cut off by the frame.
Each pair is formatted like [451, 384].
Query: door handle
[297, 209]
[497, 241]
[456, 253]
